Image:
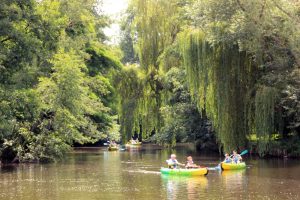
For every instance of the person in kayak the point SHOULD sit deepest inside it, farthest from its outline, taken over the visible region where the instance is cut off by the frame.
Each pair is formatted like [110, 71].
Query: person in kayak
[227, 158]
[132, 141]
[190, 163]
[113, 143]
[173, 163]
[236, 158]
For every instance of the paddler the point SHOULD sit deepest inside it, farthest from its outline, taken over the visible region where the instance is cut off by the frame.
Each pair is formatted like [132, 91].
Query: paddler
[190, 163]
[227, 158]
[236, 158]
[173, 163]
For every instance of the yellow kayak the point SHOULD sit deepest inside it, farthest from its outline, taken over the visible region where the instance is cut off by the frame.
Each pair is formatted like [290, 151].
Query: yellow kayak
[133, 145]
[113, 148]
[233, 166]
[185, 172]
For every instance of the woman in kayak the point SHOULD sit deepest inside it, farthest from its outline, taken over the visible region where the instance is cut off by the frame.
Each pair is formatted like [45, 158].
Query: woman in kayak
[227, 158]
[173, 163]
[237, 158]
[190, 163]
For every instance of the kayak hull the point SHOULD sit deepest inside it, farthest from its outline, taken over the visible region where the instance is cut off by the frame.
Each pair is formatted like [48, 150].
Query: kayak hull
[137, 145]
[184, 172]
[233, 166]
[113, 148]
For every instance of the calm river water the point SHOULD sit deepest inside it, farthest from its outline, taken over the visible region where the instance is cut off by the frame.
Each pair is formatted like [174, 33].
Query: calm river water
[95, 173]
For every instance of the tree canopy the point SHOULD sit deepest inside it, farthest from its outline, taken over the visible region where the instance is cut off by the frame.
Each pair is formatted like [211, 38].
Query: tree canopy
[56, 78]
[223, 74]
[241, 65]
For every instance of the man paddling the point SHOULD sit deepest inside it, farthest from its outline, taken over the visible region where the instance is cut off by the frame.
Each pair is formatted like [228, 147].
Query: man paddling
[173, 163]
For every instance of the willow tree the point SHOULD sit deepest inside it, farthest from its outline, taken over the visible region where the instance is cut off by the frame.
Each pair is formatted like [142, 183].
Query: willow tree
[129, 87]
[219, 76]
[265, 102]
[240, 63]
[154, 26]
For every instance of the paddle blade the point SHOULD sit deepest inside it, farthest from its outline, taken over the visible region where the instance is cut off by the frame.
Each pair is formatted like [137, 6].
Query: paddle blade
[244, 152]
[218, 168]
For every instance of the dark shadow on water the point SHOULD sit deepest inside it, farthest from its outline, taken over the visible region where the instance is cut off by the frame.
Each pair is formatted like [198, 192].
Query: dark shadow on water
[8, 168]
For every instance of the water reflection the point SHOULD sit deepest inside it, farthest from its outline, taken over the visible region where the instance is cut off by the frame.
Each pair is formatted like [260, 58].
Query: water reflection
[8, 168]
[234, 179]
[190, 187]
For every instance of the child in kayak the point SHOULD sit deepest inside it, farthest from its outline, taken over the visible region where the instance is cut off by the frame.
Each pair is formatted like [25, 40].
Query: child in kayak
[190, 163]
[173, 163]
[237, 158]
[227, 158]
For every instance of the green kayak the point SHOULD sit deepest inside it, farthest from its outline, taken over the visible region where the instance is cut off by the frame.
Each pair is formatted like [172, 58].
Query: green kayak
[185, 172]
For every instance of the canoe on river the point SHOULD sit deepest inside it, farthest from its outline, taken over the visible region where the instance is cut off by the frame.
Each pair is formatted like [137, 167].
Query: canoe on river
[113, 148]
[185, 172]
[133, 145]
[233, 166]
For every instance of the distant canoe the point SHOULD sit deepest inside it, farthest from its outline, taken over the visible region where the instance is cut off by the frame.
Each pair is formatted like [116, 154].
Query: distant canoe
[233, 166]
[113, 148]
[129, 145]
[185, 172]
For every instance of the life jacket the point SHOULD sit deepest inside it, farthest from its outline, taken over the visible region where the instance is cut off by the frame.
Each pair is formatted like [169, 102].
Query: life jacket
[190, 162]
[236, 158]
[172, 163]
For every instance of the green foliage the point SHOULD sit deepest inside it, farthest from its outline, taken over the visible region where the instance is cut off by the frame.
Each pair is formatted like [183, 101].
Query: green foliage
[19, 41]
[127, 41]
[156, 25]
[218, 76]
[241, 62]
[233, 62]
[101, 60]
[182, 121]
[55, 82]
[130, 90]
[65, 95]
[264, 117]
[266, 30]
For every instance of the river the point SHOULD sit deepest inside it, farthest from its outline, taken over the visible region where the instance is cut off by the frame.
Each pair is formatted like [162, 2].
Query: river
[95, 173]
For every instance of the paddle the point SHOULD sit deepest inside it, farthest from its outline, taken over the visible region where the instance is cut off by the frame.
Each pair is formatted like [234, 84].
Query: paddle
[244, 152]
[215, 168]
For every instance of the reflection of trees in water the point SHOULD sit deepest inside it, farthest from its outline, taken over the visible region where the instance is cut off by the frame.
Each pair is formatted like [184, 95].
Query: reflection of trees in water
[234, 180]
[176, 186]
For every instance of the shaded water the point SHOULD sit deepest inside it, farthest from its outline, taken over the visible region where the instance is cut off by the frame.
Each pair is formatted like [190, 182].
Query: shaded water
[88, 174]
